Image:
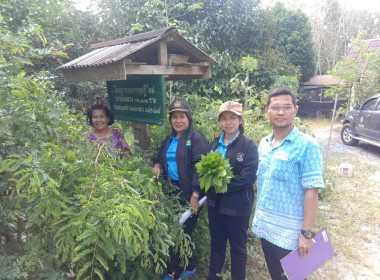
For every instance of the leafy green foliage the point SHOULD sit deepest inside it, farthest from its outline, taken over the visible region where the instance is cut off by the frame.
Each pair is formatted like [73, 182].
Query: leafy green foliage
[56, 32]
[286, 81]
[294, 38]
[13, 269]
[227, 30]
[248, 64]
[67, 206]
[361, 75]
[214, 171]
[92, 209]
[99, 212]
[71, 209]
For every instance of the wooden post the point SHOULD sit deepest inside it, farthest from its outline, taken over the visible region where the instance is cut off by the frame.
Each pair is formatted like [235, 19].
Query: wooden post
[141, 134]
[163, 53]
[140, 130]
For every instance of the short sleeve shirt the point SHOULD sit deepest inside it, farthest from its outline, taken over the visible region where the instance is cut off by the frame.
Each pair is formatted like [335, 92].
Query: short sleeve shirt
[283, 174]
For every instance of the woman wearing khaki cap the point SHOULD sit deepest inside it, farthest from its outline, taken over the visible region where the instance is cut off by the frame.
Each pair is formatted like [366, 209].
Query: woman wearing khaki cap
[229, 212]
[177, 157]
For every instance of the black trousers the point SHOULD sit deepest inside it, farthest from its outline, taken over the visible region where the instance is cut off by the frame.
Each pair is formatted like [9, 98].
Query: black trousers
[174, 268]
[273, 254]
[231, 228]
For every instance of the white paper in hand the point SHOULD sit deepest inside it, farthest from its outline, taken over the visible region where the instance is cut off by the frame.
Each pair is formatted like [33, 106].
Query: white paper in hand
[188, 213]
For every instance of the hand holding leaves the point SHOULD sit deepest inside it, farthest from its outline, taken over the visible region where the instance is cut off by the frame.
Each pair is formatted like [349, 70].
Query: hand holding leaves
[214, 170]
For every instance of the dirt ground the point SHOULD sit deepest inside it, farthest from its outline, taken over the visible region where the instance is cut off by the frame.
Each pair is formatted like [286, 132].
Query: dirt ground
[363, 152]
[351, 210]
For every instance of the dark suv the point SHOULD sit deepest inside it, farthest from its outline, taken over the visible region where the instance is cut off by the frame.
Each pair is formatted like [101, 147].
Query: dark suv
[363, 123]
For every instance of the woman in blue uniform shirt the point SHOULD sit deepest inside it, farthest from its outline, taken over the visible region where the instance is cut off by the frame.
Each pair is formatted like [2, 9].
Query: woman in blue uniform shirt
[229, 212]
[177, 158]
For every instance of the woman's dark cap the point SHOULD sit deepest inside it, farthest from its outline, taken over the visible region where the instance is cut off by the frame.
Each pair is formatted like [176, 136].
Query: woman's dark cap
[179, 105]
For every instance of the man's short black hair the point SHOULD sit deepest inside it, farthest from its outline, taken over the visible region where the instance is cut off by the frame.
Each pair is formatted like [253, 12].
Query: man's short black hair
[100, 107]
[282, 91]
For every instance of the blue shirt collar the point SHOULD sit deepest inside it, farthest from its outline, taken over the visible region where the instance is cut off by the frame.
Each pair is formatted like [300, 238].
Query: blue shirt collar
[173, 136]
[221, 139]
[290, 137]
[293, 134]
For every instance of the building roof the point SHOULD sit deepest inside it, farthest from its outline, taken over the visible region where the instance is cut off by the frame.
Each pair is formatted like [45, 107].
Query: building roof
[322, 80]
[109, 52]
[372, 44]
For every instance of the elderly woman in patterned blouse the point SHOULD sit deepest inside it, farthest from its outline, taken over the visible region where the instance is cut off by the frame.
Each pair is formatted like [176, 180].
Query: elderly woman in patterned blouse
[100, 118]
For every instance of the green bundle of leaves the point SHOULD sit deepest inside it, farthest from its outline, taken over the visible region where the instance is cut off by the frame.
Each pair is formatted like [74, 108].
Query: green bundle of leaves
[214, 170]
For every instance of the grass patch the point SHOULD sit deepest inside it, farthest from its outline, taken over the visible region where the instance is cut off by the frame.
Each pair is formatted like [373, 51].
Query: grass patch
[319, 123]
[256, 266]
[351, 214]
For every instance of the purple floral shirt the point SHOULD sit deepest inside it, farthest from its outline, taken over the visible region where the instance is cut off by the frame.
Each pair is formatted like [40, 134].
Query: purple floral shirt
[117, 140]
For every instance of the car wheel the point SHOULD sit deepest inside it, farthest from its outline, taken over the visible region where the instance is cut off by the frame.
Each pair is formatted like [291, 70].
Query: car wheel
[346, 136]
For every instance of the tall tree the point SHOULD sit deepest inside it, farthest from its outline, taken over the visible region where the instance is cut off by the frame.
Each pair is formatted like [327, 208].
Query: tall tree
[335, 26]
[294, 38]
[359, 71]
[228, 30]
[60, 23]
[67, 32]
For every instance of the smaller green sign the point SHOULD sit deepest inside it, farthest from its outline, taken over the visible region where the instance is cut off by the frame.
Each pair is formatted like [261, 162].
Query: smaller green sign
[139, 99]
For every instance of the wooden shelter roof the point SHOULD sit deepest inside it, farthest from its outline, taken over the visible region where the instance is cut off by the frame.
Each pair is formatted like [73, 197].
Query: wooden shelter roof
[137, 54]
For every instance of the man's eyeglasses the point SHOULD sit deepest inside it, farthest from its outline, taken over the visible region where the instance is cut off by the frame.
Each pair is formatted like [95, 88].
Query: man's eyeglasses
[285, 108]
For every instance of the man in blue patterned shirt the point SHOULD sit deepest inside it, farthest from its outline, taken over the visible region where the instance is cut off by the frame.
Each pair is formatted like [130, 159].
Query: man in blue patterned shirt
[288, 177]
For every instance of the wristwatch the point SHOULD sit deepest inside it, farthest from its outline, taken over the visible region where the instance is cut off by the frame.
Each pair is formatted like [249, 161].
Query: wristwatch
[308, 233]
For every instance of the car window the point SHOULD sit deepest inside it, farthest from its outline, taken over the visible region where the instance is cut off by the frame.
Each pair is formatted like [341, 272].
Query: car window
[369, 105]
[378, 106]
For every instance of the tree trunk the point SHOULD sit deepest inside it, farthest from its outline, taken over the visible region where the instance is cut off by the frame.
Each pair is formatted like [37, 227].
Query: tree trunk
[141, 135]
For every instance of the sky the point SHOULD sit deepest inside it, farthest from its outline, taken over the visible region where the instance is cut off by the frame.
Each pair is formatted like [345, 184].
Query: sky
[83, 4]
[368, 5]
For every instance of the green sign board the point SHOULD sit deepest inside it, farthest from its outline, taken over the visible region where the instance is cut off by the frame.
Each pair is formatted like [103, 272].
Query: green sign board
[139, 99]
